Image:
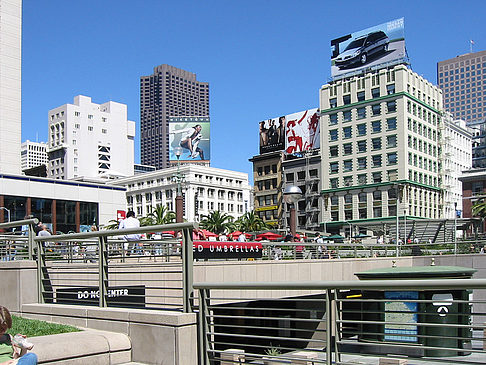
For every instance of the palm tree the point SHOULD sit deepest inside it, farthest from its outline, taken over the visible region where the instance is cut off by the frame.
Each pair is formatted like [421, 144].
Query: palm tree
[479, 208]
[217, 222]
[112, 224]
[250, 222]
[160, 215]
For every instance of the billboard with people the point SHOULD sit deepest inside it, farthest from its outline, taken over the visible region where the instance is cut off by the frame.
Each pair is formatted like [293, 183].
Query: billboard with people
[192, 134]
[291, 133]
[381, 45]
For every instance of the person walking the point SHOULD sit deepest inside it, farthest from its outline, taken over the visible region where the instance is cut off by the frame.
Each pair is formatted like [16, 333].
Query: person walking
[130, 239]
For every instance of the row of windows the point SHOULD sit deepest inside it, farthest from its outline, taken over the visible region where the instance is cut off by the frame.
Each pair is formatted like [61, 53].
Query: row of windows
[362, 163]
[361, 113]
[422, 113]
[362, 146]
[422, 146]
[267, 169]
[378, 213]
[360, 95]
[363, 179]
[422, 162]
[361, 129]
[301, 175]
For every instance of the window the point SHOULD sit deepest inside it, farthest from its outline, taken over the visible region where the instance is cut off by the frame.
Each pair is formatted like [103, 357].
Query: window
[361, 113]
[76, 114]
[391, 124]
[347, 148]
[391, 141]
[392, 158]
[333, 151]
[363, 197]
[90, 116]
[347, 116]
[103, 131]
[375, 93]
[390, 89]
[333, 135]
[361, 95]
[376, 126]
[376, 142]
[301, 175]
[376, 160]
[348, 181]
[77, 126]
[376, 109]
[334, 167]
[333, 102]
[346, 99]
[361, 129]
[313, 173]
[348, 165]
[348, 198]
[334, 183]
[361, 146]
[333, 119]
[377, 195]
[334, 200]
[376, 212]
[361, 163]
[391, 106]
[392, 175]
[90, 128]
[347, 132]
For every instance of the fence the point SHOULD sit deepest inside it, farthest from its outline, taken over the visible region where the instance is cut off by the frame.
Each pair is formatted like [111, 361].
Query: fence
[429, 321]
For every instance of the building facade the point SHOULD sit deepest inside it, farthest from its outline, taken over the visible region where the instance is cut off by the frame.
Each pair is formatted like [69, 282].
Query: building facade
[463, 83]
[204, 189]
[10, 85]
[33, 154]
[380, 146]
[457, 157]
[169, 91]
[90, 140]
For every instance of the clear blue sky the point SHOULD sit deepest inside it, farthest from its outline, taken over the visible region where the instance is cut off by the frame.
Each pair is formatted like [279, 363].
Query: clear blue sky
[262, 58]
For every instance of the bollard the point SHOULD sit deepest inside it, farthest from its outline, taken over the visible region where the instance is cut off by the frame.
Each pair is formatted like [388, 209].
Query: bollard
[304, 358]
[232, 356]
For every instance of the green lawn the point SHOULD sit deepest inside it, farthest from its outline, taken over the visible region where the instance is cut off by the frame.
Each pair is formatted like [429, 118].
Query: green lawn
[34, 327]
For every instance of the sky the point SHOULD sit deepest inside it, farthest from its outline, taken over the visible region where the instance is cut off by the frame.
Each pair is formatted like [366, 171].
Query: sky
[262, 58]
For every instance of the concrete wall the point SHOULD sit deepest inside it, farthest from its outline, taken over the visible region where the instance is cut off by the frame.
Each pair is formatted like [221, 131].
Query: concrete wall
[18, 284]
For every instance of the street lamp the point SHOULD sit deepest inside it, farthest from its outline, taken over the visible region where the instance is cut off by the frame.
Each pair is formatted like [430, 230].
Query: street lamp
[179, 178]
[8, 213]
[291, 196]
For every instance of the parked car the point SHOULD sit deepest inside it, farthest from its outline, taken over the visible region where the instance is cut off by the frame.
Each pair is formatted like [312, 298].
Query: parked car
[359, 50]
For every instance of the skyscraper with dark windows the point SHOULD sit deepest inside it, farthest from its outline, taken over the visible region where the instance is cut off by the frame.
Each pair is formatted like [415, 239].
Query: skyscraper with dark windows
[463, 83]
[168, 92]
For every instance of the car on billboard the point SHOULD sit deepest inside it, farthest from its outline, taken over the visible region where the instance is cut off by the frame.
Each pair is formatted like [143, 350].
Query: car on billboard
[361, 48]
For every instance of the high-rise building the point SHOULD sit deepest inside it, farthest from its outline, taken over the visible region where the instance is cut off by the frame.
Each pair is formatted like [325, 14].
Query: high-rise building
[90, 140]
[463, 83]
[168, 92]
[10, 85]
[33, 154]
[380, 145]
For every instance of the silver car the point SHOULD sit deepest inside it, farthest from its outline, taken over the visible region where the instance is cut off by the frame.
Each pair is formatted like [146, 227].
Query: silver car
[359, 50]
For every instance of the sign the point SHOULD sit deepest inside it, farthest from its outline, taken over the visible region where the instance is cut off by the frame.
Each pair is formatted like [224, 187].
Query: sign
[226, 250]
[272, 135]
[192, 134]
[120, 215]
[121, 296]
[404, 313]
[376, 47]
[271, 207]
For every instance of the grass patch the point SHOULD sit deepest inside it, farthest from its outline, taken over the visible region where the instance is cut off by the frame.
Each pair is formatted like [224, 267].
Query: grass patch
[34, 327]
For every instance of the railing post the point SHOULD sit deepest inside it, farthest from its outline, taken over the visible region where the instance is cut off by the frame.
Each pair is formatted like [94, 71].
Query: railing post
[202, 339]
[40, 269]
[187, 270]
[103, 270]
[30, 240]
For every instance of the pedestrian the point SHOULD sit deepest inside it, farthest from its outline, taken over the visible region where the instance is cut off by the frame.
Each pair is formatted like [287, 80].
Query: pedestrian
[320, 248]
[131, 240]
[242, 237]
[223, 237]
[91, 248]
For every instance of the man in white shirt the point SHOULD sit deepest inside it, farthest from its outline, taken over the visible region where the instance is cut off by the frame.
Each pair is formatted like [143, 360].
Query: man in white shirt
[242, 237]
[130, 222]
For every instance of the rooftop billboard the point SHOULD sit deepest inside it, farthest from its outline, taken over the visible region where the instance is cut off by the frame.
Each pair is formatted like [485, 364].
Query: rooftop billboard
[192, 134]
[291, 133]
[381, 45]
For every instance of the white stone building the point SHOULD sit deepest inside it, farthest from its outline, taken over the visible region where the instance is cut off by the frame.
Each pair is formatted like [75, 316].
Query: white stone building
[33, 154]
[10, 85]
[90, 140]
[204, 190]
[457, 157]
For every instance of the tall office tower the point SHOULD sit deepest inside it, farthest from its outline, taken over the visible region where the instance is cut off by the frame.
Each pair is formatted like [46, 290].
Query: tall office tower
[90, 140]
[457, 157]
[10, 85]
[33, 154]
[380, 146]
[463, 83]
[168, 92]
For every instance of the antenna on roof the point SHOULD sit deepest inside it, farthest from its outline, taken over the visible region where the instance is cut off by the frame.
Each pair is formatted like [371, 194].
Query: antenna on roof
[471, 44]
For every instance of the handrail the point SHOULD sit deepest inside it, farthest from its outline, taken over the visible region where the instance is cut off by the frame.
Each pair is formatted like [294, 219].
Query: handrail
[22, 222]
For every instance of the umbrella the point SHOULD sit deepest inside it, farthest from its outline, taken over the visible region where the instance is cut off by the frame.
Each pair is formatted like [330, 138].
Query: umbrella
[362, 235]
[269, 236]
[335, 237]
[208, 233]
[236, 234]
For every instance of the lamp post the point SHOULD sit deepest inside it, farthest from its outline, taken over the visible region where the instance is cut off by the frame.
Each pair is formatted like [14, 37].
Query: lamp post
[455, 228]
[179, 178]
[8, 213]
[291, 196]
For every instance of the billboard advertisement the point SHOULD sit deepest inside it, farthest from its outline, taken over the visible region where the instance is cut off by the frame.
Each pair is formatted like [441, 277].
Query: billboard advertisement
[272, 135]
[377, 46]
[193, 135]
[302, 132]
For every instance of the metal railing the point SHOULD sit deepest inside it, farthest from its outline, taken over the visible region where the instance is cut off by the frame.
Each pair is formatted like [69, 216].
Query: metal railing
[18, 244]
[348, 322]
[102, 268]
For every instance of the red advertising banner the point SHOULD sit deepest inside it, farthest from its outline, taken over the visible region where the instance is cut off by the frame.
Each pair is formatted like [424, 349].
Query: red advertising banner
[226, 250]
[120, 215]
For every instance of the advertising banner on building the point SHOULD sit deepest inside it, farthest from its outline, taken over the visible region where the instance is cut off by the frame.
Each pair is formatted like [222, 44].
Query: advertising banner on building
[193, 135]
[272, 135]
[375, 47]
[302, 132]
